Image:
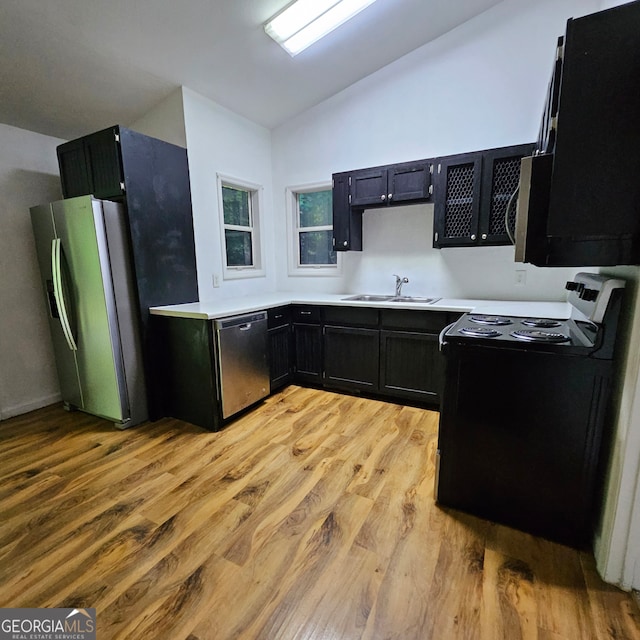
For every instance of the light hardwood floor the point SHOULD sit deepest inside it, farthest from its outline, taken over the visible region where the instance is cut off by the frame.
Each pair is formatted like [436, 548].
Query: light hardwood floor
[312, 517]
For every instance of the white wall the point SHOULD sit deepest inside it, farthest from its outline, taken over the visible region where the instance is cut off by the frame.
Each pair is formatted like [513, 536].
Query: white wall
[165, 121]
[617, 541]
[28, 176]
[481, 85]
[220, 141]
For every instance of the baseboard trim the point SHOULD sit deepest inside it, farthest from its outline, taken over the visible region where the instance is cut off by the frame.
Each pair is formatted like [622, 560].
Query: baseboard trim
[32, 405]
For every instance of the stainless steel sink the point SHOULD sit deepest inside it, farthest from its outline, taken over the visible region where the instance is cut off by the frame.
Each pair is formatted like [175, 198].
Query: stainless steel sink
[415, 299]
[376, 298]
[370, 298]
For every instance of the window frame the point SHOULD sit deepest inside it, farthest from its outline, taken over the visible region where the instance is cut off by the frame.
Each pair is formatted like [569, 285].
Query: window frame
[294, 230]
[255, 192]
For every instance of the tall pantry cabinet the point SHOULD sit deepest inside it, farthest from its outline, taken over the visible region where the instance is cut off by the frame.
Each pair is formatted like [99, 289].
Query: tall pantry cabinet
[151, 178]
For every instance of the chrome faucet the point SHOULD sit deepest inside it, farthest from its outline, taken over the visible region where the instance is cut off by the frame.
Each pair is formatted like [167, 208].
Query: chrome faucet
[399, 282]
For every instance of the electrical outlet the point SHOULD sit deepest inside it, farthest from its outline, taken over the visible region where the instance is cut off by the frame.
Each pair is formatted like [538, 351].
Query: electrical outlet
[521, 277]
[216, 280]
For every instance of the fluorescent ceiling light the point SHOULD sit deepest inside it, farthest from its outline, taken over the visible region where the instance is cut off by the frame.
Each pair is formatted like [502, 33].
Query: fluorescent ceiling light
[305, 21]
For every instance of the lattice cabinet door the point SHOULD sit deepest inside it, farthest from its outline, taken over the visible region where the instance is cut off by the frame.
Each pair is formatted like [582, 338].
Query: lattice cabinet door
[458, 181]
[500, 179]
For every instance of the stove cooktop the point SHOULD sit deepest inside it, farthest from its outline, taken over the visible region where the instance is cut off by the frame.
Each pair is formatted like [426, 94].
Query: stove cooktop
[522, 332]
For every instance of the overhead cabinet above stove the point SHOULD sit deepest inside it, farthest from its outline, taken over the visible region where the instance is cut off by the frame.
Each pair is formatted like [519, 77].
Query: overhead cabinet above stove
[579, 202]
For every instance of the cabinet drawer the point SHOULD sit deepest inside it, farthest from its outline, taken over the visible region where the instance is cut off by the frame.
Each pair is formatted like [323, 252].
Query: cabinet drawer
[426, 321]
[306, 314]
[278, 317]
[351, 316]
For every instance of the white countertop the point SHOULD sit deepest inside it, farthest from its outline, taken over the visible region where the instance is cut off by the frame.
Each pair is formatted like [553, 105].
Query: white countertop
[233, 306]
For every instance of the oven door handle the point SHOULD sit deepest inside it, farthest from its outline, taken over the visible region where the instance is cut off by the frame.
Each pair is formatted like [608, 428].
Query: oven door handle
[441, 341]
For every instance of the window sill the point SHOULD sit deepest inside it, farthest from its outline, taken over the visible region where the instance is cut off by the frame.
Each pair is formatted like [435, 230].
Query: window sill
[240, 274]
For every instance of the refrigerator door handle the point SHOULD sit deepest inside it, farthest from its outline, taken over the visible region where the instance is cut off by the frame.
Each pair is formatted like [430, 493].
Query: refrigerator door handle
[56, 264]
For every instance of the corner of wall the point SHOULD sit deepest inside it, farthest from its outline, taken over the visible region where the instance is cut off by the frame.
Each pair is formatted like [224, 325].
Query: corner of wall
[166, 120]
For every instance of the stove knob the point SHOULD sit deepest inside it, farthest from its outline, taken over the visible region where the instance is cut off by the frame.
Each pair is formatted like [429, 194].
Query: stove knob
[574, 286]
[589, 295]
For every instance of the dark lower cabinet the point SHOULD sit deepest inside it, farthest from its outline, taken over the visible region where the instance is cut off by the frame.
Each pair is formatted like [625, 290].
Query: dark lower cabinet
[280, 347]
[308, 353]
[411, 366]
[387, 352]
[379, 352]
[307, 337]
[351, 358]
[188, 378]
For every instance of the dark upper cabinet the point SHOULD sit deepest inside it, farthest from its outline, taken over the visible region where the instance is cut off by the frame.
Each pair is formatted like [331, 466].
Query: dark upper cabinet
[385, 186]
[92, 165]
[409, 182]
[457, 200]
[472, 194]
[369, 187]
[347, 221]
[355, 191]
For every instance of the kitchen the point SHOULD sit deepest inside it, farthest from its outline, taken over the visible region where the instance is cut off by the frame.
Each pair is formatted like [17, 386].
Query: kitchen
[501, 61]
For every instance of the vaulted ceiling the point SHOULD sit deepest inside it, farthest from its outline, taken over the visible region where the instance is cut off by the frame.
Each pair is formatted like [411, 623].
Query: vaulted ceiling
[69, 67]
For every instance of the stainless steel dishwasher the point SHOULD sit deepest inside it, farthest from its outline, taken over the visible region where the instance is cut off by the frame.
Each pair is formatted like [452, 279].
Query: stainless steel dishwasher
[241, 343]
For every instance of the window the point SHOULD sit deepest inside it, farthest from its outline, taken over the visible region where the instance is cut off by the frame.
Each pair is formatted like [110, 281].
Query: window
[239, 204]
[311, 215]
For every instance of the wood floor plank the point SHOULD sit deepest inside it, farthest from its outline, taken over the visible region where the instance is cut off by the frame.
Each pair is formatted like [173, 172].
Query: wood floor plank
[311, 517]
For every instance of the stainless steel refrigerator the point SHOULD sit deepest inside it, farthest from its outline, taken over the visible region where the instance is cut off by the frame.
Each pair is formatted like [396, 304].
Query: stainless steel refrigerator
[87, 275]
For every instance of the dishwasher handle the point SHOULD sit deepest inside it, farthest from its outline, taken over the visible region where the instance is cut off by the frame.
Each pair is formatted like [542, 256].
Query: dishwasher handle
[243, 322]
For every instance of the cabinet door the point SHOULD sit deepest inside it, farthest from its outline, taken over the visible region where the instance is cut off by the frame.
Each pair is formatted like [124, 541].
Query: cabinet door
[308, 352]
[280, 356]
[500, 180]
[347, 222]
[92, 166]
[74, 170]
[409, 182]
[369, 187]
[102, 152]
[457, 201]
[411, 365]
[351, 358]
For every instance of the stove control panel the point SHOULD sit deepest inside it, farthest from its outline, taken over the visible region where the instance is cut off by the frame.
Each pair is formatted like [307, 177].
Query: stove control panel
[590, 294]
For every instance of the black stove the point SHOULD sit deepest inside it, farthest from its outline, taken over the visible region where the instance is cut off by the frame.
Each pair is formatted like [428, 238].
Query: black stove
[524, 410]
[589, 297]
